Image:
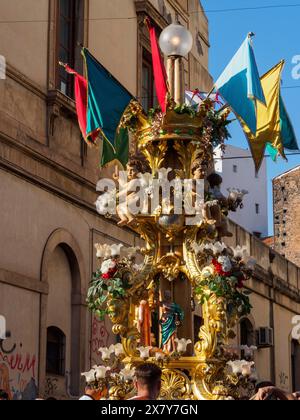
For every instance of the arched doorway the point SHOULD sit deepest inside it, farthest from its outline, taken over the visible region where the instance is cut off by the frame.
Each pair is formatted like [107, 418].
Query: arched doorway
[63, 318]
[63, 315]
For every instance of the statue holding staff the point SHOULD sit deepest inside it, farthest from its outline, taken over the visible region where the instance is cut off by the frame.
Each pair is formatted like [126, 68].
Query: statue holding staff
[172, 317]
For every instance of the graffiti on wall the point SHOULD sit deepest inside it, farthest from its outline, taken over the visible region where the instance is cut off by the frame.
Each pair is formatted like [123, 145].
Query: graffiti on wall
[17, 371]
[51, 387]
[284, 380]
[100, 338]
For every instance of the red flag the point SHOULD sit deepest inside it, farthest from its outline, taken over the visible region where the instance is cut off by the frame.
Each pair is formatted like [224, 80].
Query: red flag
[160, 75]
[81, 103]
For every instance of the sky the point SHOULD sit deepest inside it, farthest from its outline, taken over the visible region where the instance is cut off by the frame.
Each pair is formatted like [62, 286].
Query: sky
[277, 37]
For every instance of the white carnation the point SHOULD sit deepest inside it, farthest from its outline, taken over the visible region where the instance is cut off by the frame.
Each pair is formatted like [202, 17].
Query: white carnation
[107, 266]
[226, 264]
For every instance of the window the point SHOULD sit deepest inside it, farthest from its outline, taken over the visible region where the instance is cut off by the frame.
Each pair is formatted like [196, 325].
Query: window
[56, 348]
[69, 38]
[257, 208]
[235, 169]
[247, 334]
[148, 99]
[295, 365]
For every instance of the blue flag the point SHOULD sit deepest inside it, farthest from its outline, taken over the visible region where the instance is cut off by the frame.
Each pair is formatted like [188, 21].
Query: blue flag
[107, 101]
[240, 85]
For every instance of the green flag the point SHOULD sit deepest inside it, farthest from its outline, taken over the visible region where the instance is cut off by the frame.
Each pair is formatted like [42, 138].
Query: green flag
[287, 131]
[107, 102]
[272, 151]
[121, 151]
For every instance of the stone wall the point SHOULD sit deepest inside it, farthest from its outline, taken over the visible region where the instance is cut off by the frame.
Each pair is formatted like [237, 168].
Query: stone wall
[286, 189]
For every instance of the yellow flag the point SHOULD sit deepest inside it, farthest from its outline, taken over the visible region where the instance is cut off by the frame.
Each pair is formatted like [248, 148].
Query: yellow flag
[268, 118]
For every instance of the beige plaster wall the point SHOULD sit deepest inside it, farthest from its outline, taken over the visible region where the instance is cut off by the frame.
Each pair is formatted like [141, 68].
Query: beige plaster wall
[24, 38]
[283, 321]
[114, 42]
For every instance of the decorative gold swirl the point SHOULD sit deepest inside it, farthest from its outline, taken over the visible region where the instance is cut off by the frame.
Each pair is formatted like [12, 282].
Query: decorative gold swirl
[121, 391]
[175, 386]
[155, 154]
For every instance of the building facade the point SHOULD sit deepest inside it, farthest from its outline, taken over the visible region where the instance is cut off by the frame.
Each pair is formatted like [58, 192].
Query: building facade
[274, 325]
[48, 178]
[237, 170]
[286, 195]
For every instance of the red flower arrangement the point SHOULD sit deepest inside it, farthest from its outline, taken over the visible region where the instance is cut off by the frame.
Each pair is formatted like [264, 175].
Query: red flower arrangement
[219, 269]
[110, 274]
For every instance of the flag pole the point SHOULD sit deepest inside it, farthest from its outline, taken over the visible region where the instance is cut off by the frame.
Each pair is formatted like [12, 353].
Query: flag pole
[64, 65]
[224, 107]
[210, 92]
[250, 36]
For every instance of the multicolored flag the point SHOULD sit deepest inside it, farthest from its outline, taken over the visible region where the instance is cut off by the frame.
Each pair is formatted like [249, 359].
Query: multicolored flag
[80, 88]
[268, 119]
[240, 85]
[272, 151]
[286, 128]
[116, 145]
[107, 100]
[120, 154]
[160, 75]
[196, 98]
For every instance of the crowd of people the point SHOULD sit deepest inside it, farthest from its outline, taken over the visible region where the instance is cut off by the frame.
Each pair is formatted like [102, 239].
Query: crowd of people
[148, 386]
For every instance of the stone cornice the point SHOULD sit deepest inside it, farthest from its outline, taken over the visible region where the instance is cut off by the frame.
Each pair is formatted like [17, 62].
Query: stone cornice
[23, 282]
[204, 39]
[27, 83]
[179, 9]
[276, 284]
[144, 7]
[56, 98]
[21, 172]
[44, 155]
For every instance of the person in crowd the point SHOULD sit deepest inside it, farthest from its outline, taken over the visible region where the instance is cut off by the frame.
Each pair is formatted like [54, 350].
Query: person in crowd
[147, 382]
[267, 391]
[3, 395]
[93, 393]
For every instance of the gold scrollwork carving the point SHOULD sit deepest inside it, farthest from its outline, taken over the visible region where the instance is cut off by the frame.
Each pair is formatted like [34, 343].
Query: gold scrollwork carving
[170, 266]
[155, 154]
[175, 385]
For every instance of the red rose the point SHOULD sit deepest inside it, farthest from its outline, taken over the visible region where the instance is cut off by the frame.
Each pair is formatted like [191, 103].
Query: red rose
[219, 269]
[110, 274]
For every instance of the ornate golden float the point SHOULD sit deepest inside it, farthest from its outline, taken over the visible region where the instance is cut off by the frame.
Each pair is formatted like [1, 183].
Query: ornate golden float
[182, 261]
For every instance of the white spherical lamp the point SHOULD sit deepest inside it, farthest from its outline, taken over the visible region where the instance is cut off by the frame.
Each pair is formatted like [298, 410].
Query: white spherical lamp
[176, 40]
